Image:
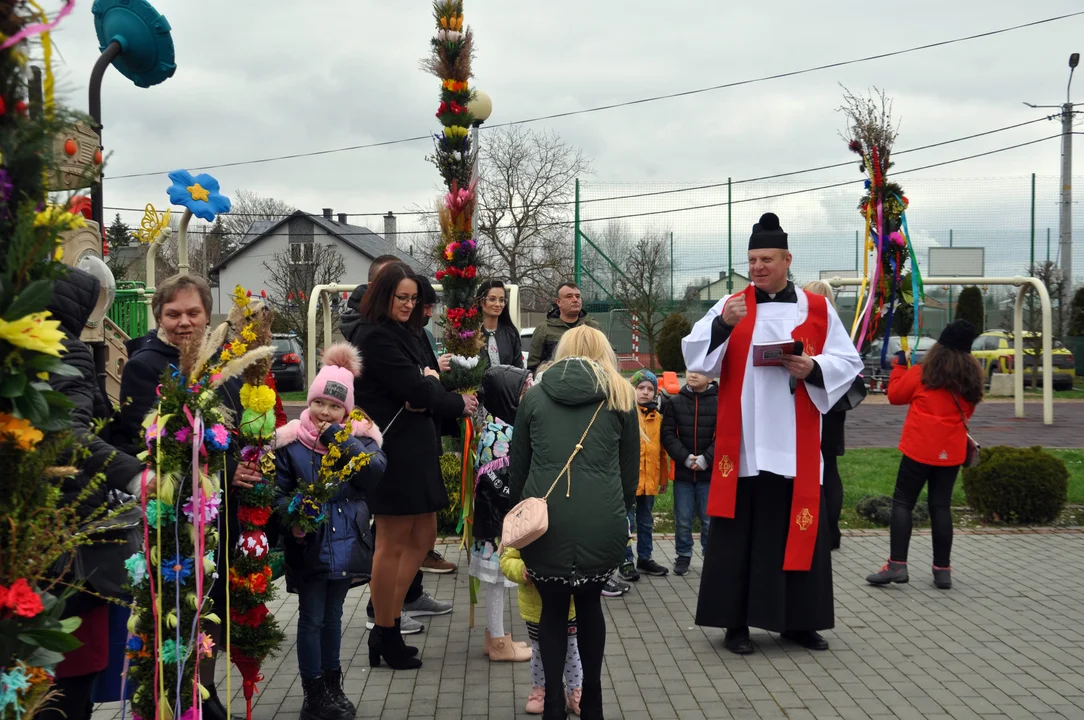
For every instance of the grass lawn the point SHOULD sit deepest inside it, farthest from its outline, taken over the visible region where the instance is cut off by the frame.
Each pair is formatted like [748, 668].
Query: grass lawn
[301, 395]
[873, 472]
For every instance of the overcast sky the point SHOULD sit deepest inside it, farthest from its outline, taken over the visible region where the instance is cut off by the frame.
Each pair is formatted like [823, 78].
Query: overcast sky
[269, 77]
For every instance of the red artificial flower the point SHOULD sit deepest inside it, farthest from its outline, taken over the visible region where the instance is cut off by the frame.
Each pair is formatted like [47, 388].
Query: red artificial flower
[254, 515]
[20, 107]
[3, 107]
[263, 293]
[3, 596]
[470, 272]
[253, 618]
[23, 600]
[440, 274]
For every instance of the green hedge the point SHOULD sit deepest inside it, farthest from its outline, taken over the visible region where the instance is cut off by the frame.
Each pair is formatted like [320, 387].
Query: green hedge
[1017, 485]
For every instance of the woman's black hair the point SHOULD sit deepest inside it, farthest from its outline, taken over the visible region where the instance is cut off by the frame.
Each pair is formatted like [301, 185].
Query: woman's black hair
[378, 297]
[483, 290]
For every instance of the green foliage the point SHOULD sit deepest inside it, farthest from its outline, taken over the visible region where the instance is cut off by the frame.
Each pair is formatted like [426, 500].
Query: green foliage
[451, 467]
[970, 307]
[1076, 314]
[668, 352]
[878, 510]
[1017, 485]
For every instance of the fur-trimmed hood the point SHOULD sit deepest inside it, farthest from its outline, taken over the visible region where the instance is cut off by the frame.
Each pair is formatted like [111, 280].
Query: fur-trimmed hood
[288, 432]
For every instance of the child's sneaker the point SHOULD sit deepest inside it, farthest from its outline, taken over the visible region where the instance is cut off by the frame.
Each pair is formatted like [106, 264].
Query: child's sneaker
[681, 566]
[614, 588]
[628, 573]
[574, 701]
[651, 567]
[536, 701]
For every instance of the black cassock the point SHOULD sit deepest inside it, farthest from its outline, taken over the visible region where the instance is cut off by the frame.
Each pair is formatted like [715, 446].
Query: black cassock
[743, 582]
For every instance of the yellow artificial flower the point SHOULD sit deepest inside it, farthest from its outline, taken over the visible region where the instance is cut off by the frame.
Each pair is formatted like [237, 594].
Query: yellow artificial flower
[455, 131]
[258, 398]
[34, 332]
[225, 356]
[56, 216]
[25, 435]
[240, 296]
[238, 349]
[248, 334]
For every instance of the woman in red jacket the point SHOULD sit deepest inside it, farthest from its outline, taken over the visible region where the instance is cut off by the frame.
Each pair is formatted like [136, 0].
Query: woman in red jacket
[942, 391]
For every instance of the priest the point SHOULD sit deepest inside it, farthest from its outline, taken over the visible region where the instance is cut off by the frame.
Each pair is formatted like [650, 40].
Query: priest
[783, 358]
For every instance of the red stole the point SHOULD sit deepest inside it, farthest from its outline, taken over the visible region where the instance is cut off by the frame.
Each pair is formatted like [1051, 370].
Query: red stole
[806, 498]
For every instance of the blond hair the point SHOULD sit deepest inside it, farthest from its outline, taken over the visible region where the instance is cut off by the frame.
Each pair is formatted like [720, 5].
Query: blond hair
[168, 290]
[820, 287]
[590, 346]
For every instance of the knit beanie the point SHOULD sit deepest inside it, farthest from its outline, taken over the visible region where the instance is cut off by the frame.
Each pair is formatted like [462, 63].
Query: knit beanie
[641, 375]
[958, 335]
[341, 363]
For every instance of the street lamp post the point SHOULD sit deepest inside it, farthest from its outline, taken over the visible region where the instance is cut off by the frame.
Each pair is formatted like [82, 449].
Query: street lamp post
[1065, 207]
[480, 107]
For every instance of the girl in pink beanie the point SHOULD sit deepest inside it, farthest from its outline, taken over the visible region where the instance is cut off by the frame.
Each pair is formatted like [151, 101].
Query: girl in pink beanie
[329, 546]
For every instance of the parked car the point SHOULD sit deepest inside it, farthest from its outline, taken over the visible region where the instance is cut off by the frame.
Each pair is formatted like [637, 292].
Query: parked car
[525, 337]
[996, 349]
[875, 374]
[288, 362]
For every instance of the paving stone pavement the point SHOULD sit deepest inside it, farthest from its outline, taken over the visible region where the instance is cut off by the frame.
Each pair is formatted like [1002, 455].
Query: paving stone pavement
[1006, 642]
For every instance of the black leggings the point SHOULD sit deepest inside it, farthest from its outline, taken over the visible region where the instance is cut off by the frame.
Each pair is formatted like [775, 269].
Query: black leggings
[553, 644]
[912, 476]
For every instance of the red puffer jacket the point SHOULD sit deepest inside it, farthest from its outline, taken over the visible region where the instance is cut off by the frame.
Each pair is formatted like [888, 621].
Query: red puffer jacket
[933, 433]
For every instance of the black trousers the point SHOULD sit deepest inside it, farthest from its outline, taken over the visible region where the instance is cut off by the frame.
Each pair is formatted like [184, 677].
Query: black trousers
[910, 480]
[553, 645]
[743, 582]
[833, 498]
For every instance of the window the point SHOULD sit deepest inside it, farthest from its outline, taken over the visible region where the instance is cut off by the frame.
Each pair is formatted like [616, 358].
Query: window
[301, 240]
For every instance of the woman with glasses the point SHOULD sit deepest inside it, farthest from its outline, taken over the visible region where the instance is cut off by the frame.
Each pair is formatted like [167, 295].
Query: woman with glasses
[401, 395]
[500, 337]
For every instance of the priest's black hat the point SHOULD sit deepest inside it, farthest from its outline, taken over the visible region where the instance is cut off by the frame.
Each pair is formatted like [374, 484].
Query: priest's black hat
[767, 235]
[958, 335]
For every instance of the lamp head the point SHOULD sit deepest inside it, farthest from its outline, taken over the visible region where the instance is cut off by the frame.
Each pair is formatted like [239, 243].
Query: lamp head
[1074, 60]
[480, 106]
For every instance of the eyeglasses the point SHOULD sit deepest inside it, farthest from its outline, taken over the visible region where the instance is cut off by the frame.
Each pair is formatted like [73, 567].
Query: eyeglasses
[407, 299]
[496, 299]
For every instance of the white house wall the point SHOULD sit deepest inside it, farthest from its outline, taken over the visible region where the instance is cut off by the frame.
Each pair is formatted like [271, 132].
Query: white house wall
[247, 268]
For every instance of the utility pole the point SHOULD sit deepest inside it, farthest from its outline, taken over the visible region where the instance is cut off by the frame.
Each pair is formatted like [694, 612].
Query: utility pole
[1065, 214]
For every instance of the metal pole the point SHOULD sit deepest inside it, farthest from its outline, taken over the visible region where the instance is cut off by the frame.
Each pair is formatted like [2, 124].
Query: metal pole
[1065, 219]
[1032, 266]
[856, 241]
[474, 178]
[577, 269]
[729, 241]
[1048, 244]
[950, 287]
[95, 108]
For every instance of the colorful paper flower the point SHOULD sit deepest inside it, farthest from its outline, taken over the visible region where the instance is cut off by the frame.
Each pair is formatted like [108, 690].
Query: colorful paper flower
[259, 397]
[34, 332]
[199, 193]
[55, 216]
[217, 436]
[210, 507]
[173, 652]
[254, 515]
[136, 565]
[206, 645]
[158, 510]
[177, 569]
[135, 644]
[12, 683]
[21, 598]
[20, 431]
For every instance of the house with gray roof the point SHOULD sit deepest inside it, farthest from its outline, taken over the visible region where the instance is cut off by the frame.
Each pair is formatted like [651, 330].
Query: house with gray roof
[296, 237]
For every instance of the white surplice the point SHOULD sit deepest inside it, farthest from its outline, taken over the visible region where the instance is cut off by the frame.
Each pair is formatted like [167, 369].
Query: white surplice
[767, 405]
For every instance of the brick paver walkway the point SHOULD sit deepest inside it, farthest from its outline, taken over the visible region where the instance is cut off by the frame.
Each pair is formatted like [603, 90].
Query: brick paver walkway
[1005, 642]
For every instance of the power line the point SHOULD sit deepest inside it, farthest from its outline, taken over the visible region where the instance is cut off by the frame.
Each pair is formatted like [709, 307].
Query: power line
[705, 206]
[640, 101]
[654, 193]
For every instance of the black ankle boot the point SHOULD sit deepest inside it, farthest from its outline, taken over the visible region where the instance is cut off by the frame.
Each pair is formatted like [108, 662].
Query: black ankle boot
[737, 641]
[411, 650]
[333, 683]
[387, 643]
[319, 704]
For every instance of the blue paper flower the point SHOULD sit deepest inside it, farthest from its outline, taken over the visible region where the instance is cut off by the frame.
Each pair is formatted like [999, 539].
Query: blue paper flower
[217, 437]
[199, 193]
[177, 569]
[12, 683]
[135, 643]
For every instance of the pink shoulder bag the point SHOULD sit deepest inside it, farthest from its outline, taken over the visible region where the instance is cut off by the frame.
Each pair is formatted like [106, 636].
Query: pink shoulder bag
[530, 519]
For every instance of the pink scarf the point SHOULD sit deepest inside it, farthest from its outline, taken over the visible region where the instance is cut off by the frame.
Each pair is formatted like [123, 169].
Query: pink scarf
[309, 435]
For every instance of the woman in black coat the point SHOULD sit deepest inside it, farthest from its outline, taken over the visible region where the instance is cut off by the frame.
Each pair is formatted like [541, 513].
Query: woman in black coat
[182, 311]
[402, 396]
[501, 344]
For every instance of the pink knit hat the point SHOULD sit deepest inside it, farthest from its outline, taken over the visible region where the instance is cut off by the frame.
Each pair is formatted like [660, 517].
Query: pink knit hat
[335, 381]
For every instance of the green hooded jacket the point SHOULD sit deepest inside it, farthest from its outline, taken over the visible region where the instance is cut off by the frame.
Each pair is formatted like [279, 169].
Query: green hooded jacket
[548, 334]
[588, 526]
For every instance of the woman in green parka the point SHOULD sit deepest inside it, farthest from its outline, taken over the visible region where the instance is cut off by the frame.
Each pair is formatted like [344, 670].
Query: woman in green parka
[582, 391]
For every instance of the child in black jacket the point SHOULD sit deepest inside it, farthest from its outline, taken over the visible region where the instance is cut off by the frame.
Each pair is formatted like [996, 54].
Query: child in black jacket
[688, 434]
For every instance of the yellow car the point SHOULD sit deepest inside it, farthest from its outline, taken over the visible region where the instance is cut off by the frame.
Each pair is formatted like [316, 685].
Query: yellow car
[996, 351]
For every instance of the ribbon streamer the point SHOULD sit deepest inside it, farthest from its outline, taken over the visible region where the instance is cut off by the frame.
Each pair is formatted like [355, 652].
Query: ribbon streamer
[32, 30]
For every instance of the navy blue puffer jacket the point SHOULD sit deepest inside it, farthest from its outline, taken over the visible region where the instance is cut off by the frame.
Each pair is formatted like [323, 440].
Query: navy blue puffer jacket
[342, 547]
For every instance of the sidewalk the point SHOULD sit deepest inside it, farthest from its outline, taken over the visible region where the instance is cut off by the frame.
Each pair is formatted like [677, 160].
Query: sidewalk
[1006, 642]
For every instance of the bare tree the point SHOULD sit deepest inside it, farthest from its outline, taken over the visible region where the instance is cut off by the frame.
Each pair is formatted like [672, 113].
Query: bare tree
[246, 208]
[643, 283]
[525, 210]
[291, 282]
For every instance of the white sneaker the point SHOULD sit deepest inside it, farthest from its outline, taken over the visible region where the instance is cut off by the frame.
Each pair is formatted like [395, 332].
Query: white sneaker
[407, 625]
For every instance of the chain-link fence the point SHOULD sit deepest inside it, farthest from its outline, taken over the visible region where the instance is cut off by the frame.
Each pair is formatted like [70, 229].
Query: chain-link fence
[704, 229]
